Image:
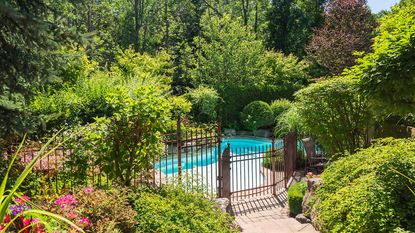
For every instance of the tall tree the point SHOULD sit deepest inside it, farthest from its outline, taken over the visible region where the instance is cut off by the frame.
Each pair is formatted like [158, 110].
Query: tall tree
[348, 27]
[291, 24]
[29, 42]
[279, 17]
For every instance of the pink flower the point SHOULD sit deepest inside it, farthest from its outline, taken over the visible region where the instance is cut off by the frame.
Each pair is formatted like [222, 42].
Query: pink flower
[71, 215]
[34, 220]
[26, 222]
[309, 174]
[88, 190]
[84, 222]
[22, 200]
[65, 201]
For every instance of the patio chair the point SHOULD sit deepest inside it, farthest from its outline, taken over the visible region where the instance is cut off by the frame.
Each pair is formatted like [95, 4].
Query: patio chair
[315, 159]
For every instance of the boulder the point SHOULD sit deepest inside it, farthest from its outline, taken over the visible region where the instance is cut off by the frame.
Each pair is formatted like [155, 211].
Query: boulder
[230, 132]
[302, 219]
[265, 133]
[224, 204]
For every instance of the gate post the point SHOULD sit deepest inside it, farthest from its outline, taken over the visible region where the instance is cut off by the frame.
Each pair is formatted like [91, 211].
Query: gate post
[273, 161]
[226, 173]
[179, 148]
[290, 152]
[219, 164]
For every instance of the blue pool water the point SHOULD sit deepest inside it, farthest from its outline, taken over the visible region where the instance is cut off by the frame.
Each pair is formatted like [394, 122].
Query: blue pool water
[208, 156]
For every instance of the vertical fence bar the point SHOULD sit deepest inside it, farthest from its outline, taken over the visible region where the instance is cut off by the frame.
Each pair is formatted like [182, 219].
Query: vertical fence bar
[273, 158]
[219, 169]
[179, 149]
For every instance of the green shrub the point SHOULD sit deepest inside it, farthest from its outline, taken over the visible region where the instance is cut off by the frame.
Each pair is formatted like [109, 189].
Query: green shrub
[295, 198]
[289, 121]
[336, 114]
[205, 102]
[257, 114]
[387, 73]
[87, 98]
[364, 193]
[279, 107]
[173, 210]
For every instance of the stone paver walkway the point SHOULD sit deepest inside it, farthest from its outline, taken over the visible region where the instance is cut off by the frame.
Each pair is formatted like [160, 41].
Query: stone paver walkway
[267, 214]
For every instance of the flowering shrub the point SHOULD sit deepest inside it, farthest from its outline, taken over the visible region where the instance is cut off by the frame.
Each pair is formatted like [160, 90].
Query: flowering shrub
[21, 224]
[95, 210]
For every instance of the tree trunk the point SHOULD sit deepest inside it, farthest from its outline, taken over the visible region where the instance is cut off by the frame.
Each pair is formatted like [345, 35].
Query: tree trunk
[137, 26]
[166, 21]
[245, 5]
[256, 19]
[90, 25]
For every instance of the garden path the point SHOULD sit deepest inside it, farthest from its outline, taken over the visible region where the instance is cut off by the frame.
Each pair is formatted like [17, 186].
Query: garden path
[267, 214]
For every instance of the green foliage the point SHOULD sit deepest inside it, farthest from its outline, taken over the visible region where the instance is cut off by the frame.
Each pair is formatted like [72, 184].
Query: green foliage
[291, 24]
[227, 54]
[180, 106]
[205, 102]
[87, 97]
[171, 209]
[29, 58]
[232, 61]
[295, 197]
[257, 114]
[279, 107]
[289, 121]
[363, 193]
[126, 142]
[289, 73]
[387, 75]
[336, 114]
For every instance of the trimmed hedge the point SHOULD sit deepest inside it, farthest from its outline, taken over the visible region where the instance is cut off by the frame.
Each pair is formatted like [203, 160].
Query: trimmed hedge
[369, 191]
[256, 115]
[295, 197]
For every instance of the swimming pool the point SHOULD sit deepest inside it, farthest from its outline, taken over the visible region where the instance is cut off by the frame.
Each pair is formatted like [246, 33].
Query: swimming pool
[209, 156]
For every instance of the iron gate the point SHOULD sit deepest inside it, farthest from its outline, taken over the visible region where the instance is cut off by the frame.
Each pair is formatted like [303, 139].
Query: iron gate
[258, 170]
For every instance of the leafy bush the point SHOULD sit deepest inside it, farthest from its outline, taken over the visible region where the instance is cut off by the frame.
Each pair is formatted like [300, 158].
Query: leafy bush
[336, 114]
[205, 102]
[95, 210]
[387, 75]
[127, 142]
[279, 107]
[171, 209]
[289, 121]
[87, 98]
[295, 197]
[288, 71]
[363, 192]
[257, 114]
